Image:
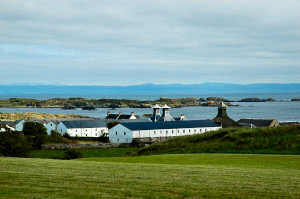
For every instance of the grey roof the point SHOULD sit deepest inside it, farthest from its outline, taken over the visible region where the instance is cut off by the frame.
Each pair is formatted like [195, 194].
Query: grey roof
[85, 123]
[256, 122]
[96, 123]
[112, 116]
[119, 116]
[169, 124]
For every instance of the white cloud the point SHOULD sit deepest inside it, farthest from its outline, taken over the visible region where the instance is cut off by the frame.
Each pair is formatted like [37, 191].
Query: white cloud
[129, 41]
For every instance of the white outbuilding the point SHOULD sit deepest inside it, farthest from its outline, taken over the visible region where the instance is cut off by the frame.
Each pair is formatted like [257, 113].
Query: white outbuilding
[83, 128]
[126, 132]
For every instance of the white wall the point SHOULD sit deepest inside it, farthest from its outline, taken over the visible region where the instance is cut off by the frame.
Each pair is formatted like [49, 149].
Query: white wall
[116, 134]
[87, 132]
[120, 134]
[50, 126]
[19, 126]
[81, 132]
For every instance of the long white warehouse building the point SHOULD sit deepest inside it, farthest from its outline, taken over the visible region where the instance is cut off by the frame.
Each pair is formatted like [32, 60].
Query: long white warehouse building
[126, 132]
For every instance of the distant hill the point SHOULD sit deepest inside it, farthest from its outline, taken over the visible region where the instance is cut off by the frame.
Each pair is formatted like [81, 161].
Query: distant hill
[205, 88]
[279, 140]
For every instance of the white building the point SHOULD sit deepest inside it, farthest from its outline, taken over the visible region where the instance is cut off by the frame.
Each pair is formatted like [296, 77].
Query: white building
[126, 132]
[19, 125]
[50, 126]
[83, 128]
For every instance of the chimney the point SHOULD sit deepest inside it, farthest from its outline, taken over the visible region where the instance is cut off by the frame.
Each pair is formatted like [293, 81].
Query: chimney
[166, 114]
[132, 114]
[156, 113]
[108, 113]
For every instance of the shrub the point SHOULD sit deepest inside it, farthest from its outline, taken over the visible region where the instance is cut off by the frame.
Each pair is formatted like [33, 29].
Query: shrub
[109, 125]
[12, 143]
[54, 137]
[66, 135]
[103, 138]
[72, 154]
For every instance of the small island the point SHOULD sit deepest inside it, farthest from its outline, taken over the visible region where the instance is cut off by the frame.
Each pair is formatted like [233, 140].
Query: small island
[92, 104]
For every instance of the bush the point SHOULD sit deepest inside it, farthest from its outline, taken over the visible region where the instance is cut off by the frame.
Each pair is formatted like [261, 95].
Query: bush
[14, 144]
[66, 135]
[109, 125]
[54, 137]
[72, 154]
[35, 133]
[103, 138]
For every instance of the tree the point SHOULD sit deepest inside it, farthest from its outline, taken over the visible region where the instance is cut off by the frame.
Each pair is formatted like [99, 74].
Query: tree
[35, 133]
[109, 125]
[34, 129]
[103, 138]
[12, 143]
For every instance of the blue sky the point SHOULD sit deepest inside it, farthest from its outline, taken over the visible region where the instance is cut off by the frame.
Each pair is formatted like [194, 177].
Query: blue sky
[91, 42]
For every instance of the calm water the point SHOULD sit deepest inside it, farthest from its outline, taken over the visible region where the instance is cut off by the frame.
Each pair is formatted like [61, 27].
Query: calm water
[283, 109]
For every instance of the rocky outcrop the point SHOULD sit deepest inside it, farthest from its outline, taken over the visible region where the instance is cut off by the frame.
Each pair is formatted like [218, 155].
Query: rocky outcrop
[255, 99]
[295, 100]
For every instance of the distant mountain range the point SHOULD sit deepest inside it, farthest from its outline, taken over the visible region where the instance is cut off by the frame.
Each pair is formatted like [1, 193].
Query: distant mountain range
[205, 88]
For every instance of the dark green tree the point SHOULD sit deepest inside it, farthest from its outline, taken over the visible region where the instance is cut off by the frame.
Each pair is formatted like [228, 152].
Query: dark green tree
[35, 133]
[109, 125]
[13, 143]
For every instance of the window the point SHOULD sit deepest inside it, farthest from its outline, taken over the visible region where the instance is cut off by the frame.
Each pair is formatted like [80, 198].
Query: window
[116, 133]
[167, 131]
[189, 130]
[177, 131]
[183, 131]
[172, 131]
[124, 133]
[160, 132]
[194, 130]
[154, 132]
[85, 129]
[76, 130]
[118, 139]
[126, 140]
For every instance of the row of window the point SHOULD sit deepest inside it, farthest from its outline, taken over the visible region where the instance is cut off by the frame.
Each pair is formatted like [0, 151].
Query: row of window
[178, 131]
[173, 131]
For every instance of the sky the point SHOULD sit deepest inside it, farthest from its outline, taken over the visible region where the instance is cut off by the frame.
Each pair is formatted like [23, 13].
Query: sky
[126, 42]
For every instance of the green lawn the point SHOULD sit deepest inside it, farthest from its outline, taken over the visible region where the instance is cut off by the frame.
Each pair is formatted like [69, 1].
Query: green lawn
[160, 176]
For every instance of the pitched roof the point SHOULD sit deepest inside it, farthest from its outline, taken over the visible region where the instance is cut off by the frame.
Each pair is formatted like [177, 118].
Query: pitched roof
[85, 123]
[165, 106]
[112, 116]
[169, 125]
[256, 122]
[120, 116]
[156, 106]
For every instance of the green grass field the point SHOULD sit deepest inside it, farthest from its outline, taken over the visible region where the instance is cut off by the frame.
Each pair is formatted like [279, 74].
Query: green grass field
[158, 176]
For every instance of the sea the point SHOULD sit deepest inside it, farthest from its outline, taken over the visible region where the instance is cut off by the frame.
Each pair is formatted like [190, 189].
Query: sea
[283, 109]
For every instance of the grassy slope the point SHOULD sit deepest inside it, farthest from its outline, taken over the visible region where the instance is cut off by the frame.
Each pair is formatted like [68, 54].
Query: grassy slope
[280, 140]
[193, 175]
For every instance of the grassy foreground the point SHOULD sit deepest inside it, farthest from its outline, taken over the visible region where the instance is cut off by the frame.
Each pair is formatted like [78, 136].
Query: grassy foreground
[161, 176]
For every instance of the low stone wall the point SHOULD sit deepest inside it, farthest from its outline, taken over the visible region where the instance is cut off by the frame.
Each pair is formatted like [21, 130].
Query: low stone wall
[152, 140]
[81, 146]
